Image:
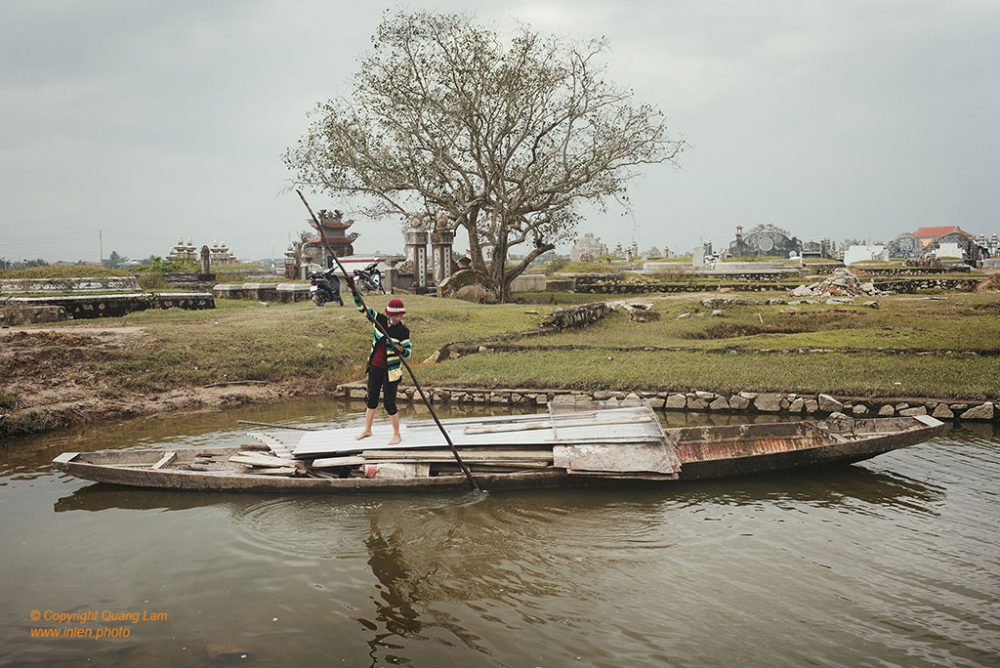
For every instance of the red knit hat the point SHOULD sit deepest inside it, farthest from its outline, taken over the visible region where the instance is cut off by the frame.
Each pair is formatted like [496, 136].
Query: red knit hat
[395, 307]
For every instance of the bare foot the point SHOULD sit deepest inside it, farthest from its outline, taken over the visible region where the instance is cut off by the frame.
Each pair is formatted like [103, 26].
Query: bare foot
[364, 434]
[394, 440]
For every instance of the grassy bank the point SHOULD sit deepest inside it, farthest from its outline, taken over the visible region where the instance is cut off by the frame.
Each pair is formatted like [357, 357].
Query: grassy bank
[158, 361]
[910, 346]
[291, 342]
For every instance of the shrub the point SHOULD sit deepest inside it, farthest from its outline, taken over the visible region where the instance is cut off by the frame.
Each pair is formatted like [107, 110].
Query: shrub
[153, 280]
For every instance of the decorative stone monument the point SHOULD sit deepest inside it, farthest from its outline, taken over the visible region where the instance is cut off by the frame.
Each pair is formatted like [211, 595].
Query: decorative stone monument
[206, 261]
[442, 239]
[416, 251]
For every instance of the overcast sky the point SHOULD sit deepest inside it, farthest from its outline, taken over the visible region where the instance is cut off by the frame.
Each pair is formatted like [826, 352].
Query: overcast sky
[151, 121]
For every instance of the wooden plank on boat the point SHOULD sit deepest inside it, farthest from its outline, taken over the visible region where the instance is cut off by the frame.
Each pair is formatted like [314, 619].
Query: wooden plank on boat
[258, 460]
[607, 475]
[164, 460]
[617, 458]
[547, 424]
[284, 470]
[333, 462]
[543, 454]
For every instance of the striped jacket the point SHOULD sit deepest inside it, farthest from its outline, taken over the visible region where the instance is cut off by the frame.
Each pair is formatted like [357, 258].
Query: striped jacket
[399, 336]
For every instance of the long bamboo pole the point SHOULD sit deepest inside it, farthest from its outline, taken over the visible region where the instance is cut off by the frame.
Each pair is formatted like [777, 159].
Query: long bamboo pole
[385, 333]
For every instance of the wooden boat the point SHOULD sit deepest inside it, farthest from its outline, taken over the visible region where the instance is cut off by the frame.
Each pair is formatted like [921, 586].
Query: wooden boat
[568, 447]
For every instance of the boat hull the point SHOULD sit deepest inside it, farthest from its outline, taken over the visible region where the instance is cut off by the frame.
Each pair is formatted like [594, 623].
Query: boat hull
[703, 453]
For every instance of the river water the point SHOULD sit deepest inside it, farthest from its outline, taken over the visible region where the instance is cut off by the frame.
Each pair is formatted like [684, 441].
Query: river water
[893, 562]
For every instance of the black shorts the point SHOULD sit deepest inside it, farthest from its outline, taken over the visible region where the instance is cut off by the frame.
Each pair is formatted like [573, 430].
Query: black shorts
[378, 382]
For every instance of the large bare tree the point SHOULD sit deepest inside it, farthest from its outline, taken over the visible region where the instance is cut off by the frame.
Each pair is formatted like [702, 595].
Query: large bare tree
[508, 138]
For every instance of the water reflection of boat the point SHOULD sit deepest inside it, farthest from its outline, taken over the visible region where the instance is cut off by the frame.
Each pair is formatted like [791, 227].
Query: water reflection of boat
[821, 486]
[576, 446]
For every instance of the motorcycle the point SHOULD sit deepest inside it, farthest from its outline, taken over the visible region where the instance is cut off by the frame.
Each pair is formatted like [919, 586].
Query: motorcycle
[325, 287]
[369, 279]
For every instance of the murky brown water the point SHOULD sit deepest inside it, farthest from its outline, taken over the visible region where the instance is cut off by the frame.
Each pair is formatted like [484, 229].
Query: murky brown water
[894, 562]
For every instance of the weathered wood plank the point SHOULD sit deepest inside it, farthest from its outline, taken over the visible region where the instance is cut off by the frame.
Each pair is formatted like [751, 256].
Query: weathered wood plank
[164, 460]
[491, 454]
[332, 462]
[617, 458]
[258, 460]
[547, 424]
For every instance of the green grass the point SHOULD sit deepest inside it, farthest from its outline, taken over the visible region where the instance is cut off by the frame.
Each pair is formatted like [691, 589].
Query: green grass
[242, 340]
[867, 374]
[959, 322]
[62, 271]
[737, 351]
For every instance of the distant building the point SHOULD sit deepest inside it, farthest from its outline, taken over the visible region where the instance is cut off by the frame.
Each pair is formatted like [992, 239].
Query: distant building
[855, 254]
[823, 248]
[183, 252]
[587, 247]
[906, 247]
[928, 235]
[764, 241]
[335, 228]
[219, 253]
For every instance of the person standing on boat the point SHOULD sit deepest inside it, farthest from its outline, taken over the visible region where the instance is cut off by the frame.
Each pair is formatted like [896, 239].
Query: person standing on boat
[384, 365]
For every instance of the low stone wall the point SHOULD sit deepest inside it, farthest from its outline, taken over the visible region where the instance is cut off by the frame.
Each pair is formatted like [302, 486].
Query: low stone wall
[109, 306]
[578, 316]
[528, 283]
[911, 285]
[30, 315]
[263, 292]
[619, 287]
[912, 271]
[60, 285]
[899, 285]
[704, 401]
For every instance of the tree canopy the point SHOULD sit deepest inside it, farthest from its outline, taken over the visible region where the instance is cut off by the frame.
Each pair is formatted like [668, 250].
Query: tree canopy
[508, 138]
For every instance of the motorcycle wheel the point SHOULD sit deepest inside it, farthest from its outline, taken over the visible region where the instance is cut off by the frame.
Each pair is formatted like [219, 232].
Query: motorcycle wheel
[319, 298]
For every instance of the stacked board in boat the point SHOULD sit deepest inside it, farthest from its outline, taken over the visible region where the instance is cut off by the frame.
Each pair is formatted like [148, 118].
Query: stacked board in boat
[620, 440]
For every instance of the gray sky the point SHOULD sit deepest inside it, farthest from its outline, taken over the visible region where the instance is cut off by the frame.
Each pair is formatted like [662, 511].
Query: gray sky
[156, 120]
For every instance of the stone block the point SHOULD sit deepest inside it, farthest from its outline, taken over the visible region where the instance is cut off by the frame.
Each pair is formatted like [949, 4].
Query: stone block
[981, 412]
[887, 411]
[541, 400]
[859, 409]
[657, 402]
[528, 283]
[696, 404]
[357, 393]
[705, 395]
[719, 404]
[828, 404]
[797, 405]
[911, 412]
[768, 403]
[676, 401]
[739, 403]
[749, 395]
[812, 406]
[943, 412]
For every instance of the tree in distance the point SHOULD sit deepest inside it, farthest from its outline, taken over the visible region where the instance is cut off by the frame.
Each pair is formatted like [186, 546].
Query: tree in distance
[508, 139]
